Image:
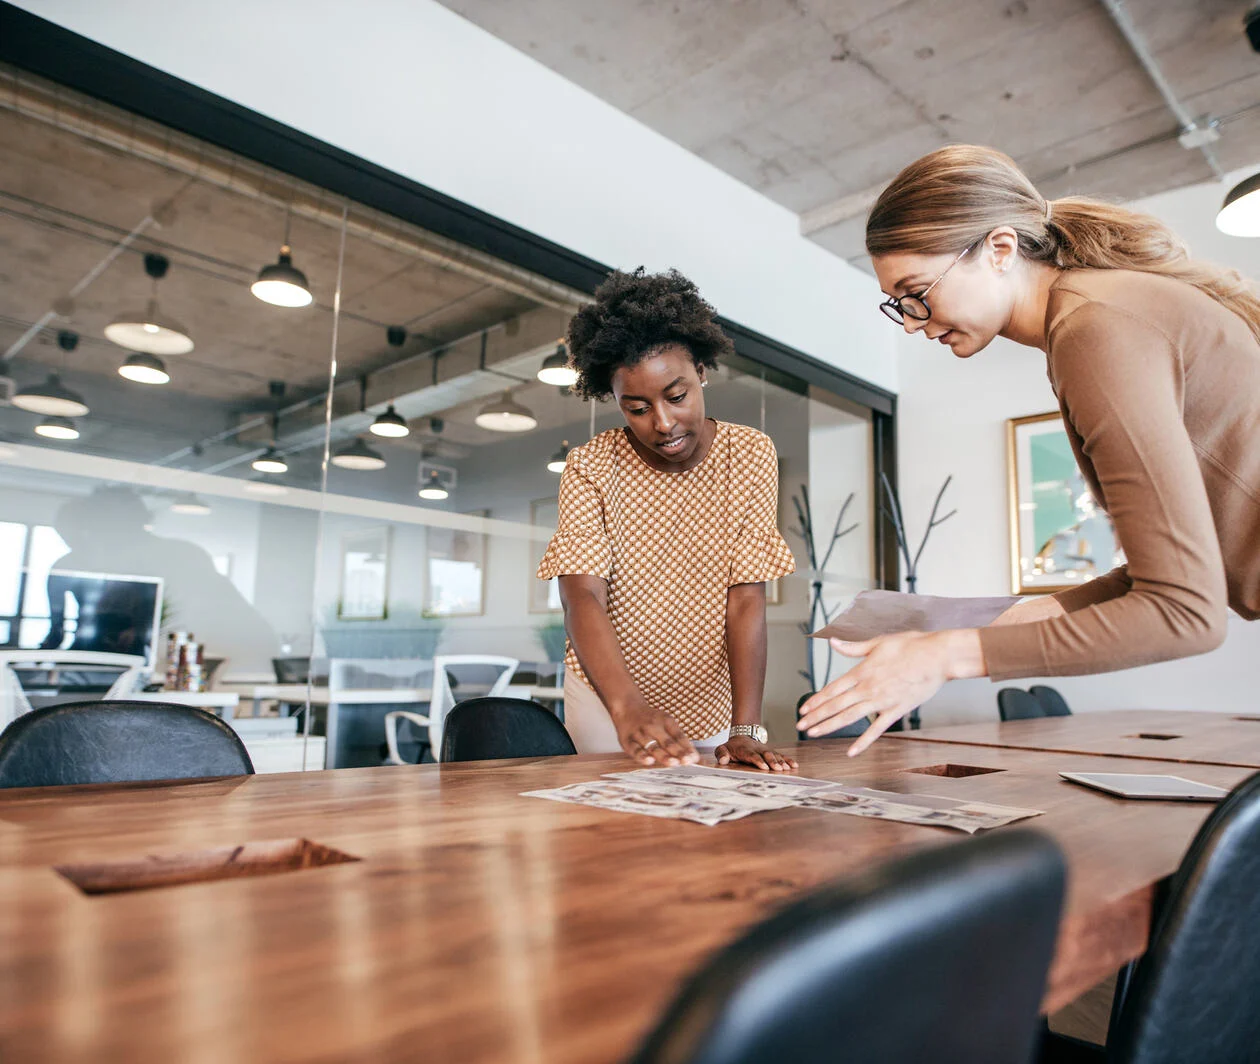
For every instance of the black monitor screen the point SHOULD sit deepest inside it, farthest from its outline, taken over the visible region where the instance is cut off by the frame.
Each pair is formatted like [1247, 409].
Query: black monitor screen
[103, 612]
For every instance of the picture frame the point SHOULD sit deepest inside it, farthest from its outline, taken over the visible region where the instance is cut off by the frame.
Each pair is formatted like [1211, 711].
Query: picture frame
[544, 595]
[364, 591]
[455, 571]
[1059, 536]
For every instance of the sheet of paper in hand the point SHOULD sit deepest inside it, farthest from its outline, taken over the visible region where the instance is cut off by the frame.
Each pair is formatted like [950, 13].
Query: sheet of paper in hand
[874, 613]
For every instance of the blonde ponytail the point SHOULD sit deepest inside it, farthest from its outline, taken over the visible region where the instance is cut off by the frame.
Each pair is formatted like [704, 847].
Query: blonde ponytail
[957, 195]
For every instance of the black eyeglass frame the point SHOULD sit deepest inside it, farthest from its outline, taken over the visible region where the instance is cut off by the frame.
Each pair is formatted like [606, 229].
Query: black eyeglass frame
[894, 307]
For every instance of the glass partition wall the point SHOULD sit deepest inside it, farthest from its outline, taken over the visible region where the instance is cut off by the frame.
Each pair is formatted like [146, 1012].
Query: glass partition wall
[330, 439]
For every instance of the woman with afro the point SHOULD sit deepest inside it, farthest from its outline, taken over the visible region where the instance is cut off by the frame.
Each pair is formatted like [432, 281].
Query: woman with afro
[666, 538]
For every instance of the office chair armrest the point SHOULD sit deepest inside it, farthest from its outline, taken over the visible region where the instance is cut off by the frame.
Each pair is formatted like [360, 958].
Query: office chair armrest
[391, 732]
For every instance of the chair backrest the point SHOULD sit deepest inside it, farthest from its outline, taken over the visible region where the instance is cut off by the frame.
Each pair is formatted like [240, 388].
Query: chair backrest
[1014, 703]
[443, 700]
[941, 956]
[1192, 996]
[848, 731]
[118, 742]
[490, 729]
[1051, 701]
[291, 670]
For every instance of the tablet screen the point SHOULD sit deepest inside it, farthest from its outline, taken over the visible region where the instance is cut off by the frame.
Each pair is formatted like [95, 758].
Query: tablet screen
[1129, 785]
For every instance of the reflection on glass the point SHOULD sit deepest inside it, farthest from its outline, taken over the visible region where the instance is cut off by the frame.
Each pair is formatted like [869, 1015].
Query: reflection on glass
[12, 555]
[283, 573]
[457, 563]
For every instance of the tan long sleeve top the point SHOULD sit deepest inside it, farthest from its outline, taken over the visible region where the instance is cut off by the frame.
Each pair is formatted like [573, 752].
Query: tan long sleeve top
[1159, 386]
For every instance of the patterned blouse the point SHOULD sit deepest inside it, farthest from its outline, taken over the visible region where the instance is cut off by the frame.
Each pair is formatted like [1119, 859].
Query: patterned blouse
[669, 545]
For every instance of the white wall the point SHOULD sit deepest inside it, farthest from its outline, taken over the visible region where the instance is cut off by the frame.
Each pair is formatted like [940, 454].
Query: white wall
[415, 88]
[952, 419]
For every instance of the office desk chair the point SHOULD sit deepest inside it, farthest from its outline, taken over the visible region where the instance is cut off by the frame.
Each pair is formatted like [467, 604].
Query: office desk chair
[118, 742]
[940, 956]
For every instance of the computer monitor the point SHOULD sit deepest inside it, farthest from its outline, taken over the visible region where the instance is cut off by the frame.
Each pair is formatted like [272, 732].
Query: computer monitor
[103, 612]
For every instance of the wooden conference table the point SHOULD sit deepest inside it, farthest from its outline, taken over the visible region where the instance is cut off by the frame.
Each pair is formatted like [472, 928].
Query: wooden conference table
[1151, 734]
[477, 925]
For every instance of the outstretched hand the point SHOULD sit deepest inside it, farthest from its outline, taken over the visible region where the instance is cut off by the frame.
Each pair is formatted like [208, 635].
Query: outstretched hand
[896, 674]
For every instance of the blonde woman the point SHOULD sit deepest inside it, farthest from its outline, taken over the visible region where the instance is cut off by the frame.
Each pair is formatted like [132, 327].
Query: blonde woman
[1155, 359]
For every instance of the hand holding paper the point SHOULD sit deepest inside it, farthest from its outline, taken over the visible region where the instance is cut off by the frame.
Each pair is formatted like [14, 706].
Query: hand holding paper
[874, 613]
[911, 645]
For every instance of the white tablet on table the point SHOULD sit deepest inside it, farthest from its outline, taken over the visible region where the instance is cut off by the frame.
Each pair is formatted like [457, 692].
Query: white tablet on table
[1131, 785]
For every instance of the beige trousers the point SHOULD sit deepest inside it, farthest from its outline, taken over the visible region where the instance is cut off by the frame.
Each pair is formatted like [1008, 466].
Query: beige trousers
[591, 728]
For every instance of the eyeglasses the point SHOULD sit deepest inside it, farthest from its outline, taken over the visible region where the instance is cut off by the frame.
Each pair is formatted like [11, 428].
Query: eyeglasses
[898, 310]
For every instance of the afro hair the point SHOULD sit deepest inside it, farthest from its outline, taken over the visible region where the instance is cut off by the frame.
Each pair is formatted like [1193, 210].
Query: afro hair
[634, 316]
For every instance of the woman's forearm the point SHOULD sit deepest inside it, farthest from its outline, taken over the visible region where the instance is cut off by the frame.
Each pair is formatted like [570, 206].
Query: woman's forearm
[596, 645]
[1027, 611]
[746, 650]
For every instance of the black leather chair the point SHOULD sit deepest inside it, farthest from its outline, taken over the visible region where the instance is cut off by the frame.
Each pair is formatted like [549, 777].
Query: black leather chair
[1051, 701]
[1014, 703]
[939, 957]
[490, 729]
[118, 742]
[1192, 995]
[847, 732]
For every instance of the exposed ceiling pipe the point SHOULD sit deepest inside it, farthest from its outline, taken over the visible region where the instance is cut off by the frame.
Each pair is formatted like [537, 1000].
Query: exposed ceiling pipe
[1193, 134]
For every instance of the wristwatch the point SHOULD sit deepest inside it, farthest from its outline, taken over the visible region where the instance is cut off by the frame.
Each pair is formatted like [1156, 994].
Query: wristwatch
[753, 731]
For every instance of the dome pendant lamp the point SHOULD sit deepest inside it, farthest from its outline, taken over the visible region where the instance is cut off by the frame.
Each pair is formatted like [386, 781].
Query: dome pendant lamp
[358, 455]
[1240, 213]
[559, 459]
[556, 369]
[505, 414]
[52, 398]
[390, 424]
[282, 284]
[150, 331]
[144, 369]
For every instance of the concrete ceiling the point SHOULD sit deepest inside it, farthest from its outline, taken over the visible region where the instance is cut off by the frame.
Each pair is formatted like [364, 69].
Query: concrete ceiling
[818, 103]
[76, 179]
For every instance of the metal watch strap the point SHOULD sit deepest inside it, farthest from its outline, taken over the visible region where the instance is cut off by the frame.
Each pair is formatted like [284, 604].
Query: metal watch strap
[753, 731]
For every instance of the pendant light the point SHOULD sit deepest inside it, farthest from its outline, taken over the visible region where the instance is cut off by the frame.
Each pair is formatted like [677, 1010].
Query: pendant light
[270, 461]
[52, 398]
[144, 369]
[559, 459]
[556, 369]
[358, 455]
[505, 414]
[282, 284]
[57, 428]
[432, 487]
[390, 424]
[1240, 214]
[150, 330]
[188, 503]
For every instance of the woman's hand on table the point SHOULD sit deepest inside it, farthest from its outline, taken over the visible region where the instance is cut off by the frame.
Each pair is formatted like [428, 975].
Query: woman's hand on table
[653, 738]
[745, 750]
[898, 672]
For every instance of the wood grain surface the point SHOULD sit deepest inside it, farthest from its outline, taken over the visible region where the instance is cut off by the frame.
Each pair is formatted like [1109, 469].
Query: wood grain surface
[478, 925]
[1149, 734]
